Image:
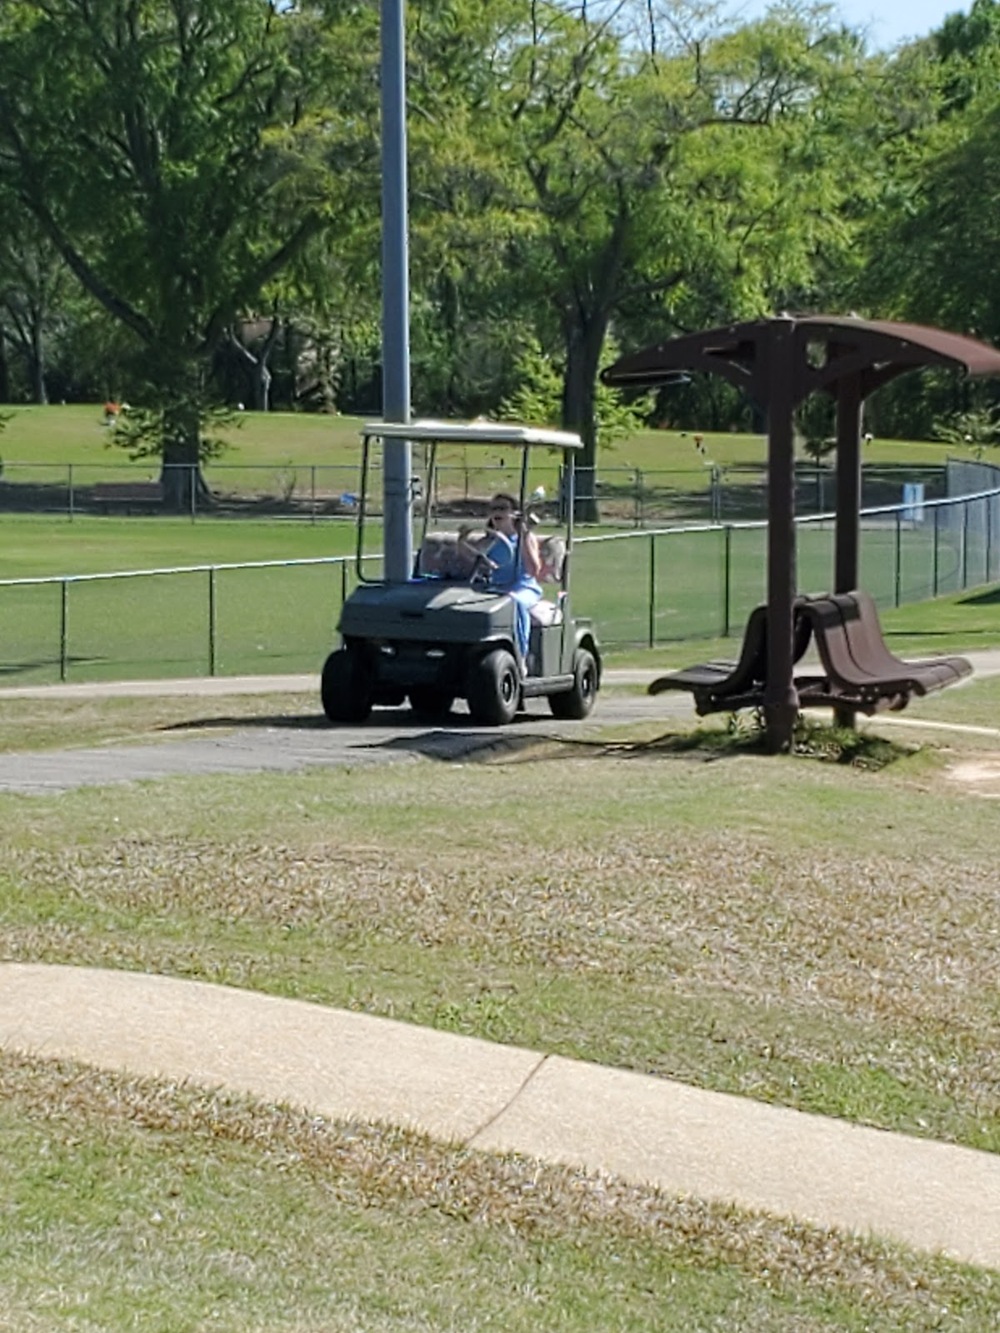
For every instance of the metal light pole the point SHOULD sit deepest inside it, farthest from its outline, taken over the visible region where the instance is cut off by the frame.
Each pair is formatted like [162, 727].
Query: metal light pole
[397, 462]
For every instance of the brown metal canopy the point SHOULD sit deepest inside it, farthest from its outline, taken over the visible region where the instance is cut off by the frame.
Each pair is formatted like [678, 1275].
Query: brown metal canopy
[778, 362]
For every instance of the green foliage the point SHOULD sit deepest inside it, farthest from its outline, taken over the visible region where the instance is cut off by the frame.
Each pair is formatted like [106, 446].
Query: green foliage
[977, 428]
[815, 421]
[844, 745]
[208, 138]
[141, 431]
[538, 397]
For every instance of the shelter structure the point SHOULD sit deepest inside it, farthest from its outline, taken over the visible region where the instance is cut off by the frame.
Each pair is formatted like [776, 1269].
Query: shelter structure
[779, 362]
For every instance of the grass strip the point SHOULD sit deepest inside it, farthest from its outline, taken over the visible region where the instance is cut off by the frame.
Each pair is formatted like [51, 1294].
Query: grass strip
[815, 935]
[135, 1203]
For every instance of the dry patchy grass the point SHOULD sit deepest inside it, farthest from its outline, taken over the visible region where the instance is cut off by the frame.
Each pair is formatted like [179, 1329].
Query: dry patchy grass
[45, 723]
[163, 1144]
[851, 972]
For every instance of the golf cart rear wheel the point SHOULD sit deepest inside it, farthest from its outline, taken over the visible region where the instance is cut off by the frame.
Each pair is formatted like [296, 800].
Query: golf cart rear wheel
[430, 702]
[493, 688]
[576, 703]
[345, 687]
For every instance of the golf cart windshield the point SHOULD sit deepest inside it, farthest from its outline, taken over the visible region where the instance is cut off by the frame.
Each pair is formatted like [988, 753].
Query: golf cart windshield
[461, 483]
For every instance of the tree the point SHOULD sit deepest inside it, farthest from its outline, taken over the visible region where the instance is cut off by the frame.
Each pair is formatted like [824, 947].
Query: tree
[35, 287]
[686, 178]
[932, 249]
[178, 154]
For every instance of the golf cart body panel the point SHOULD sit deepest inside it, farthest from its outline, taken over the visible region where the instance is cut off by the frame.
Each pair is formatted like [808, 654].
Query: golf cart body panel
[448, 634]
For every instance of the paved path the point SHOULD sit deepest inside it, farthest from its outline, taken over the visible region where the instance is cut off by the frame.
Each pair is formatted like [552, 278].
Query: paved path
[289, 742]
[343, 1065]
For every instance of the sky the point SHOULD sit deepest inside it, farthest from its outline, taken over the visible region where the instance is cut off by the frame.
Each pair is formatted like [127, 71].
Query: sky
[891, 21]
[888, 22]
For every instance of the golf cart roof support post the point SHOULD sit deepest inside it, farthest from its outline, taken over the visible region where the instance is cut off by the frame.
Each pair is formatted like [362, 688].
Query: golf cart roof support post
[397, 470]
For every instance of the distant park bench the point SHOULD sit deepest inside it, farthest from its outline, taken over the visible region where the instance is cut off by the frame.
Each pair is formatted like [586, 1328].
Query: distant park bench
[860, 672]
[128, 495]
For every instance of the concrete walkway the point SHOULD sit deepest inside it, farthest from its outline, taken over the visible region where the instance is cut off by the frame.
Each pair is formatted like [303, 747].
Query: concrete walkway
[343, 1065]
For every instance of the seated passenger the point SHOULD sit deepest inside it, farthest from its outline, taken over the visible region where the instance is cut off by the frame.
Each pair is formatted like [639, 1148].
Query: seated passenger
[512, 550]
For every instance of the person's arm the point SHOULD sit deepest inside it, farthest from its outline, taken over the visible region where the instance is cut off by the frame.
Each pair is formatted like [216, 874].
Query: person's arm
[531, 559]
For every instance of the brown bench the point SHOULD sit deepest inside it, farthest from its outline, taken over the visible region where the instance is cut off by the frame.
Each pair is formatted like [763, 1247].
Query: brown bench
[861, 674]
[724, 685]
[128, 495]
[860, 670]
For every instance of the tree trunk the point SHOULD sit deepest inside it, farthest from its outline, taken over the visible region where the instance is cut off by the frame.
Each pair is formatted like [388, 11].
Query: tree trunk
[584, 333]
[180, 474]
[39, 391]
[4, 368]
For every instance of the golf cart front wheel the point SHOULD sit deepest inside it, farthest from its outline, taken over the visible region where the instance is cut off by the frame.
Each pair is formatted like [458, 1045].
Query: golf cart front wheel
[576, 702]
[345, 687]
[493, 688]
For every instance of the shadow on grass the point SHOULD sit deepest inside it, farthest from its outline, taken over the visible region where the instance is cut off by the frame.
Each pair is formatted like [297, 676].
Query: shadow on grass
[45, 664]
[286, 721]
[991, 597]
[403, 718]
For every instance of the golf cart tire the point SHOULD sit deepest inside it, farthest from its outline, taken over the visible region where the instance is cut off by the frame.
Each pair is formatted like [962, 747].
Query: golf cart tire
[493, 688]
[576, 703]
[345, 687]
[429, 702]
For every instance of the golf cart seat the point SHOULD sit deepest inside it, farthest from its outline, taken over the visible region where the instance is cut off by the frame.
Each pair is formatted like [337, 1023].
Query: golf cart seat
[446, 555]
[552, 551]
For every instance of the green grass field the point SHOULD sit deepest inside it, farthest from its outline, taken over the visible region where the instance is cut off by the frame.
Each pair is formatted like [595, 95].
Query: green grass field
[641, 590]
[646, 590]
[75, 433]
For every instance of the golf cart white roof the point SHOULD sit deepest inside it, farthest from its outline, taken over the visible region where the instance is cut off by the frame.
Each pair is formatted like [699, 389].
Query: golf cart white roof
[472, 432]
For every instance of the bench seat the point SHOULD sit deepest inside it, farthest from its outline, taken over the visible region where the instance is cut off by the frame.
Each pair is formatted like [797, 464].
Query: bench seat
[859, 672]
[726, 685]
[128, 494]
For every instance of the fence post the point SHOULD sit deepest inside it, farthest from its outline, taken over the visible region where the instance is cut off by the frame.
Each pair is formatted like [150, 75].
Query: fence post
[989, 537]
[211, 621]
[965, 545]
[69, 485]
[63, 628]
[312, 491]
[193, 478]
[716, 494]
[652, 590]
[935, 575]
[898, 560]
[727, 548]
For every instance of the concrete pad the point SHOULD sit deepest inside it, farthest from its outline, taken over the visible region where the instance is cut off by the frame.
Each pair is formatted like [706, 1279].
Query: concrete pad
[335, 1063]
[687, 1141]
[927, 1195]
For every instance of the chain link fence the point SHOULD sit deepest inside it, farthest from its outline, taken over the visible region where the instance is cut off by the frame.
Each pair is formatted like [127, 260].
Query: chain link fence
[641, 587]
[626, 497]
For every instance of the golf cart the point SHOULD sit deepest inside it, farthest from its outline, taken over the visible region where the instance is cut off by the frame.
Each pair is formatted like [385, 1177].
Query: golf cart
[446, 633]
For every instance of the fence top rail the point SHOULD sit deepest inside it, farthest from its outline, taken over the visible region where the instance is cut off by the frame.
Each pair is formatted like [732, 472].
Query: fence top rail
[183, 569]
[757, 523]
[631, 534]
